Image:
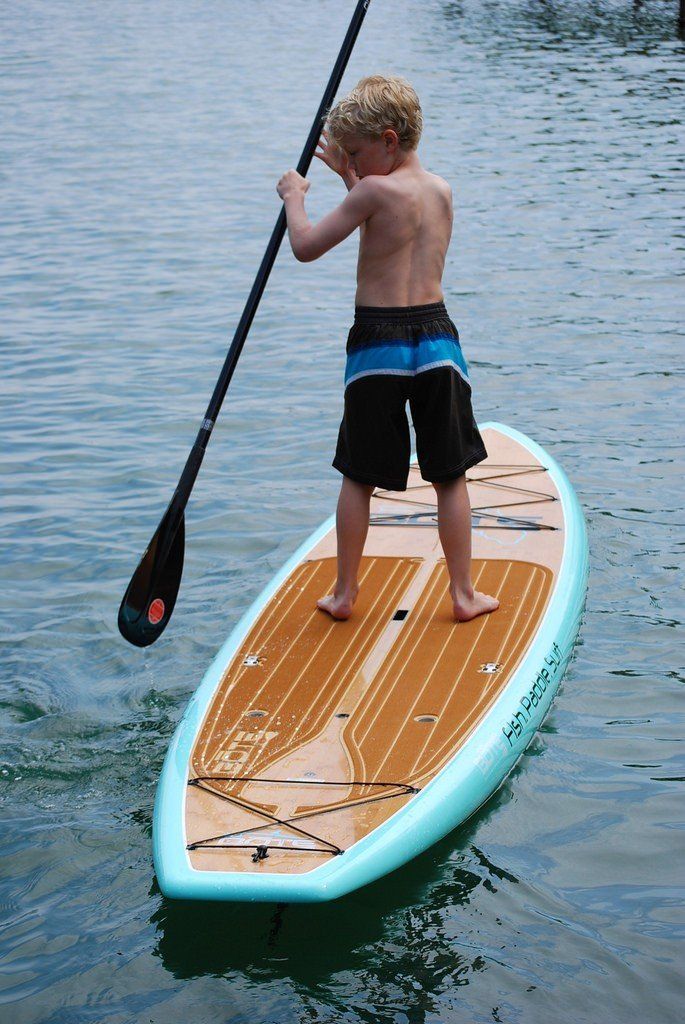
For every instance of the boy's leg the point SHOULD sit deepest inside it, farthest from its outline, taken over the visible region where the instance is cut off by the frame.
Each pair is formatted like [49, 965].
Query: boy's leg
[352, 526]
[454, 528]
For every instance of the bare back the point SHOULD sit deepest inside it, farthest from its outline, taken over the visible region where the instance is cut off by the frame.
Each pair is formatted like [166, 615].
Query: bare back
[404, 242]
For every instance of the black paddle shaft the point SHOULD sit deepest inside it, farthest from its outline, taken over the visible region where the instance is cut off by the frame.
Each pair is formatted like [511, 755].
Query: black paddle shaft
[194, 462]
[151, 594]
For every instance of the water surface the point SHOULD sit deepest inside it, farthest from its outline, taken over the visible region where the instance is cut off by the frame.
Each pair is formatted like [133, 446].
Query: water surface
[140, 150]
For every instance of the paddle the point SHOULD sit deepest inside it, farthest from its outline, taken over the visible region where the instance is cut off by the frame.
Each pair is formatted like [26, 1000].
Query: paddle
[151, 595]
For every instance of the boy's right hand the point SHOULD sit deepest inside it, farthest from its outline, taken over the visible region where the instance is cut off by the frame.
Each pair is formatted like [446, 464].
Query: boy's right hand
[333, 155]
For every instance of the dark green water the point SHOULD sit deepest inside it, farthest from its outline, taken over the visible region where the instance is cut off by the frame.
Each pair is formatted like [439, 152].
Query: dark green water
[141, 145]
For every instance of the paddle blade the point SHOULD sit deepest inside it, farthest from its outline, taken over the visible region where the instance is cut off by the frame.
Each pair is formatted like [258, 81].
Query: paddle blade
[151, 595]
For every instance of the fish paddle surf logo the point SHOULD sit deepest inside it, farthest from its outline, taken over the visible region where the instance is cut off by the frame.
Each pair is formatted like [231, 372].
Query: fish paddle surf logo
[155, 612]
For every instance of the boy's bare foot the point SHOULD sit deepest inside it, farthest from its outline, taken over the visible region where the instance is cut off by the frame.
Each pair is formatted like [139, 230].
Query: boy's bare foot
[338, 605]
[468, 607]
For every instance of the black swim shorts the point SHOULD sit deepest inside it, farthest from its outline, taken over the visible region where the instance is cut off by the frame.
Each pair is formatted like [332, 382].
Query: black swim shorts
[395, 355]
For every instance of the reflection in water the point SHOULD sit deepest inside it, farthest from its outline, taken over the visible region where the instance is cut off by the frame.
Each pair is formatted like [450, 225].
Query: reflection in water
[311, 943]
[559, 22]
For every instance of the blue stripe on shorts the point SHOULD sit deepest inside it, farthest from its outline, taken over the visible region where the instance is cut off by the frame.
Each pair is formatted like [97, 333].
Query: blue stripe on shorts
[406, 358]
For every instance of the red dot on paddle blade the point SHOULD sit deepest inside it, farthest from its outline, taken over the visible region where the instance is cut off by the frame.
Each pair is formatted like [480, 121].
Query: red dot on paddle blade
[155, 612]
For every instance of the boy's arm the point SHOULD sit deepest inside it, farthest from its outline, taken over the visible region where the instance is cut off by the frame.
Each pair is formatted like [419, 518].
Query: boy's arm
[337, 159]
[350, 179]
[310, 241]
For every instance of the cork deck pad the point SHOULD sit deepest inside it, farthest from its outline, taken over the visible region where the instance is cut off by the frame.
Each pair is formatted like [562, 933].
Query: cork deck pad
[319, 731]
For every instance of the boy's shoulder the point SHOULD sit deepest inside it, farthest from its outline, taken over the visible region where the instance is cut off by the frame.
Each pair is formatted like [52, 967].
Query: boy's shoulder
[387, 182]
[441, 183]
[394, 188]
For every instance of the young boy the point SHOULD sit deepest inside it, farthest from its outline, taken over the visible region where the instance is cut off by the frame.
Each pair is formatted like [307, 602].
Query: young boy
[402, 346]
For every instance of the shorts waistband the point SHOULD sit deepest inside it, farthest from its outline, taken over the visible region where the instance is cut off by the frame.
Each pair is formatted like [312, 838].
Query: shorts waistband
[399, 314]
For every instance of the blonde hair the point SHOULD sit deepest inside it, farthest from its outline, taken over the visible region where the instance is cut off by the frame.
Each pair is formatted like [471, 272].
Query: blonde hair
[375, 104]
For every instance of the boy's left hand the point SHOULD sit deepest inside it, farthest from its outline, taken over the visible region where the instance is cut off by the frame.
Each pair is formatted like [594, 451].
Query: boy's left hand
[291, 182]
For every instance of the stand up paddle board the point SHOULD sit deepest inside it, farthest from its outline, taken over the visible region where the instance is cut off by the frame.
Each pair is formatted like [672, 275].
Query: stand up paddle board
[318, 755]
